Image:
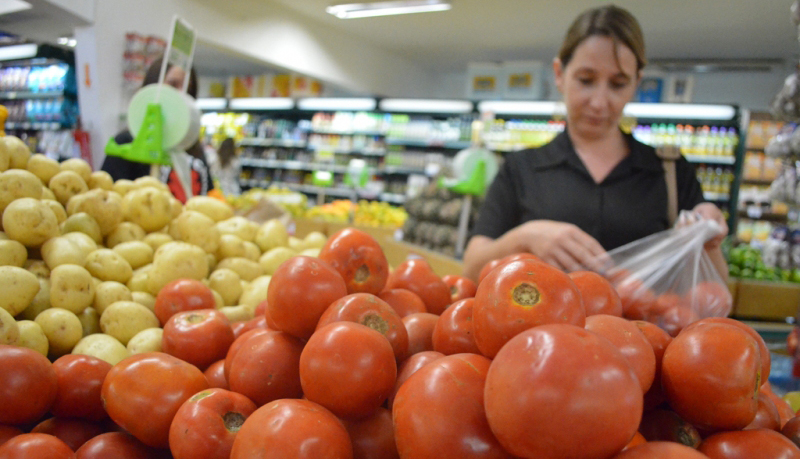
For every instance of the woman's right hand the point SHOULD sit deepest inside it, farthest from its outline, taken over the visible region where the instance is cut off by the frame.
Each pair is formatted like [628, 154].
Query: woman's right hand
[563, 245]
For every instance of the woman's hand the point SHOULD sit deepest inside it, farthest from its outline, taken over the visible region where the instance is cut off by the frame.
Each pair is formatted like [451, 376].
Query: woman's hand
[563, 245]
[707, 211]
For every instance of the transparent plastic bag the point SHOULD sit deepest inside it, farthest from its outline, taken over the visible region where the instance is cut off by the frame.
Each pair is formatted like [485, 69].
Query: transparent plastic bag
[668, 278]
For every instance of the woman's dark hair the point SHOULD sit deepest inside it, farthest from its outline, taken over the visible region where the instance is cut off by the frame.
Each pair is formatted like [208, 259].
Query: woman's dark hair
[226, 152]
[608, 21]
[154, 71]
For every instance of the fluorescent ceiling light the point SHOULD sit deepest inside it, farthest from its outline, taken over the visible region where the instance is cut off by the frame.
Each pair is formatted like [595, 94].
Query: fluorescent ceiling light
[680, 111]
[337, 103]
[14, 52]
[372, 9]
[211, 103]
[261, 103]
[12, 6]
[519, 107]
[426, 106]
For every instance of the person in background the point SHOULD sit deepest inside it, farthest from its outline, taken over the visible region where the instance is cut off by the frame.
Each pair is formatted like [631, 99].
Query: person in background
[225, 167]
[593, 188]
[120, 168]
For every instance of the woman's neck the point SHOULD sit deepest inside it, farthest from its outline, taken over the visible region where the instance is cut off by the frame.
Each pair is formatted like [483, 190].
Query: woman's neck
[600, 155]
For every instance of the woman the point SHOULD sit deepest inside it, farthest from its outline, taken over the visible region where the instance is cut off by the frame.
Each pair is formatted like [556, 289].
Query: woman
[225, 167]
[593, 188]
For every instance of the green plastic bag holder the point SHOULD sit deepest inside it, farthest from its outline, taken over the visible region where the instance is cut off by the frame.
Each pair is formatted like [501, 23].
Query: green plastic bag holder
[147, 144]
[474, 185]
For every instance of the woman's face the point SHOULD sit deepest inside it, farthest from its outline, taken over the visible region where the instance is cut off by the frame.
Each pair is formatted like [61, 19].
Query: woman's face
[174, 77]
[596, 85]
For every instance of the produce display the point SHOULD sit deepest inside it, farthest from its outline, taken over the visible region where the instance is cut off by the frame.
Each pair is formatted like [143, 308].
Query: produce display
[433, 219]
[134, 326]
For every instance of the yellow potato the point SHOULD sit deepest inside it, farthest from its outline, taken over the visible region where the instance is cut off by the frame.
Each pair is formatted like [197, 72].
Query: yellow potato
[175, 206]
[58, 210]
[102, 346]
[136, 253]
[9, 330]
[30, 221]
[274, 258]
[84, 241]
[78, 166]
[310, 252]
[104, 206]
[124, 319]
[12, 253]
[39, 303]
[195, 228]
[32, 336]
[43, 167]
[82, 222]
[147, 340]
[139, 281]
[67, 184]
[212, 208]
[63, 251]
[156, 240]
[315, 240]
[48, 195]
[124, 232]
[16, 184]
[110, 292]
[255, 292]
[18, 287]
[245, 268]
[228, 284]
[38, 268]
[3, 236]
[238, 313]
[107, 265]
[71, 288]
[218, 301]
[90, 321]
[145, 299]
[238, 226]
[19, 152]
[176, 260]
[231, 246]
[5, 156]
[272, 234]
[150, 208]
[251, 251]
[150, 181]
[212, 261]
[62, 328]
[101, 180]
[123, 186]
[298, 245]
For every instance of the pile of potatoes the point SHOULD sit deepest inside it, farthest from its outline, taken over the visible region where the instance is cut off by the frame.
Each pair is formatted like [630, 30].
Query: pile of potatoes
[82, 258]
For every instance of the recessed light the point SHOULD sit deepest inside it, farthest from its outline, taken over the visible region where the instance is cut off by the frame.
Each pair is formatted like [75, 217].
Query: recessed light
[372, 9]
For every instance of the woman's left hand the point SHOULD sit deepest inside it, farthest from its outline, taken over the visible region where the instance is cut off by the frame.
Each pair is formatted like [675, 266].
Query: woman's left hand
[709, 211]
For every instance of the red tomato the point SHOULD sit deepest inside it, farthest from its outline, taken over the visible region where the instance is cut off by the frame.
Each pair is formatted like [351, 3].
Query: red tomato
[182, 295]
[460, 287]
[409, 367]
[420, 328]
[403, 301]
[73, 432]
[373, 437]
[418, 276]
[206, 425]
[784, 409]
[143, 392]
[453, 332]
[767, 416]
[790, 430]
[28, 385]
[710, 376]
[749, 444]
[80, 378]
[763, 350]
[520, 295]
[239, 328]
[35, 446]
[298, 429]
[637, 300]
[261, 308]
[556, 383]
[666, 425]
[661, 450]
[675, 319]
[358, 258]
[117, 445]
[488, 267]
[215, 374]
[637, 440]
[630, 341]
[793, 341]
[667, 301]
[200, 337]
[369, 310]
[301, 289]
[659, 340]
[348, 368]
[597, 293]
[237, 344]
[8, 432]
[439, 411]
[710, 299]
[266, 367]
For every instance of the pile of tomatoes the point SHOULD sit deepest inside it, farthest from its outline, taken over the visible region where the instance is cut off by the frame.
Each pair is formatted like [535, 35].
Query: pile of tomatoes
[347, 359]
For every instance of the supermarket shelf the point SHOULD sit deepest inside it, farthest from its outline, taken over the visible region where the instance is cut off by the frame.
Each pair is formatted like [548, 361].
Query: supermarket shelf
[762, 182]
[255, 142]
[710, 159]
[310, 189]
[716, 197]
[36, 126]
[400, 170]
[306, 166]
[393, 198]
[349, 151]
[455, 145]
[11, 95]
[330, 131]
[756, 214]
